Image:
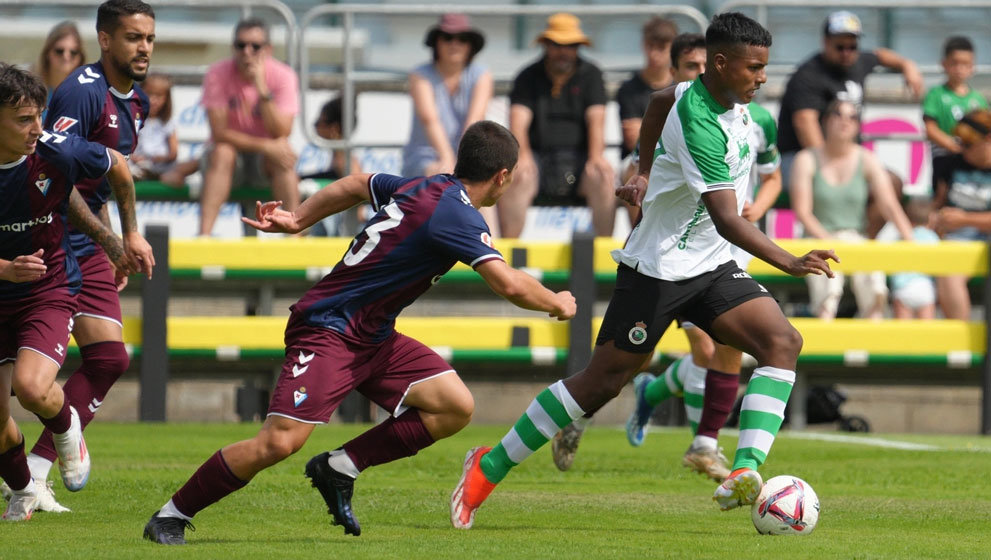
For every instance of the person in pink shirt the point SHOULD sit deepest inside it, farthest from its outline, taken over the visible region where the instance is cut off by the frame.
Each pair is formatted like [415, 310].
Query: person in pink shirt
[250, 100]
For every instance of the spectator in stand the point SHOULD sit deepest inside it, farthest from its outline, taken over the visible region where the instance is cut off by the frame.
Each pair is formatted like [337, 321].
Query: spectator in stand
[963, 197]
[829, 189]
[330, 126]
[837, 72]
[251, 100]
[913, 294]
[450, 93]
[557, 113]
[945, 104]
[634, 94]
[62, 53]
[687, 58]
[158, 143]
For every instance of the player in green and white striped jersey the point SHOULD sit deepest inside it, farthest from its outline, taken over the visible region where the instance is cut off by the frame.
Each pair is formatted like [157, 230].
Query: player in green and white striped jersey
[677, 263]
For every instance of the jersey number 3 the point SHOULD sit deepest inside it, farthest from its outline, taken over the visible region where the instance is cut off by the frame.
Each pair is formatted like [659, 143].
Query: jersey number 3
[373, 234]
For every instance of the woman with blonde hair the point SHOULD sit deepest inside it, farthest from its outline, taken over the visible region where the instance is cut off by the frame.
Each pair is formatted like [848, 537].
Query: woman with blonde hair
[62, 53]
[830, 186]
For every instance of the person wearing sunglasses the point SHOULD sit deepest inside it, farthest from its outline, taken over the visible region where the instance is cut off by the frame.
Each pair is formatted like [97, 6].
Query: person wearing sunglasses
[450, 93]
[251, 100]
[838, 71]
[62, 53]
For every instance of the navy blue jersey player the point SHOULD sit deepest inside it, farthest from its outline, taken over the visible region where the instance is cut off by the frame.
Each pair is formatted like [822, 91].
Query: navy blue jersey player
[39, 277]
[102, 103]
[341, 336]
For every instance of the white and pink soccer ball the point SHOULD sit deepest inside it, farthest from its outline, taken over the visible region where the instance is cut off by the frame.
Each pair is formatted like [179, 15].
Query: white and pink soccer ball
[787, 505]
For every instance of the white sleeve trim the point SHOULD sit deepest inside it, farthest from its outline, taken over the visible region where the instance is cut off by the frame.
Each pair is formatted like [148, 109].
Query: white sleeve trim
[371, 192]
[484, 258]
[719, 187]
[110, 161]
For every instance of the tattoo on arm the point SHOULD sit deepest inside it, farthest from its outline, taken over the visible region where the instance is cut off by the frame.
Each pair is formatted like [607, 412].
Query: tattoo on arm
[83, 219]
[123, 186]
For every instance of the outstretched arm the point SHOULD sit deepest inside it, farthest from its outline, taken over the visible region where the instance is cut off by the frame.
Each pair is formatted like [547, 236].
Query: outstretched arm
[523, 290]
[122, 185]
[721, 205]
[335, 197]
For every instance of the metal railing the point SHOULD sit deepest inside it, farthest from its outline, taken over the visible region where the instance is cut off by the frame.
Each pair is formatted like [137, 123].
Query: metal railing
[246, 7]
[348, 12]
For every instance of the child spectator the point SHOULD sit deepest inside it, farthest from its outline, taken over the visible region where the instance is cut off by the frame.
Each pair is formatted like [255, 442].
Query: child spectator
[913, 294]
[945, 104]
[158, 144]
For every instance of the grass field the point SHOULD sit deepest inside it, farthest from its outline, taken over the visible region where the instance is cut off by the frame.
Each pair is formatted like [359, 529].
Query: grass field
[616, 502]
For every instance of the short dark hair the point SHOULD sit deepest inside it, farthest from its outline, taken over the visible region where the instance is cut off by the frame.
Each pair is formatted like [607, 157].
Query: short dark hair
[659, 30]
[18, 87]
[733, 28]
[251, 23]
[109, 13]
[332, 112]
[683, 44]
[485, 149]
[957, 43]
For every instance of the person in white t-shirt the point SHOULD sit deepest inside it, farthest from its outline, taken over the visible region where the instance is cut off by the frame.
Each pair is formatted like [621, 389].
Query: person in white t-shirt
[677, 263]
[158, 143]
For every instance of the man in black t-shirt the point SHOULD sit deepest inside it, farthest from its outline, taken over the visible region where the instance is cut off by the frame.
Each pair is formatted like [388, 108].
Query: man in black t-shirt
[836, 72]
[557, 113]
[634, 93]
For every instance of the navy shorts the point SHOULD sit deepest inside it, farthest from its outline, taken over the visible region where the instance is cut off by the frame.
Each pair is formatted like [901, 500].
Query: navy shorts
[642, 306]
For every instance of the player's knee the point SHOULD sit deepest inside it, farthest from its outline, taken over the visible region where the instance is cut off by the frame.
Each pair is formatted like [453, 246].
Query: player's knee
[787, 343]
[277, 447]
[108, 360]
[32, 394]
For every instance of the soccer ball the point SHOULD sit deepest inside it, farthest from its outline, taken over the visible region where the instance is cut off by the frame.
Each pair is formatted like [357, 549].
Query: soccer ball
[787, 505]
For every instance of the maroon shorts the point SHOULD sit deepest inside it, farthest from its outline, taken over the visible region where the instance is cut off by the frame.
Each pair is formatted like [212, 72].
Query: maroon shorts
[322, 367]
[98, 296]
[41, 324]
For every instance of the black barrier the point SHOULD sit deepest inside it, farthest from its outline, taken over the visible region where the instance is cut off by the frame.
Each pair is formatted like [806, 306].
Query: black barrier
[986, 367]
[581, 282]
[154, 329]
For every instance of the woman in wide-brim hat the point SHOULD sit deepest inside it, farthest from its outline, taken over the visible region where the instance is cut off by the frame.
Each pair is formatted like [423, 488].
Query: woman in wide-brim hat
[449, 94]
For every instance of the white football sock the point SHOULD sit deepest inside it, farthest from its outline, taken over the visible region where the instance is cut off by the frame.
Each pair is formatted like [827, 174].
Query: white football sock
[340, 462]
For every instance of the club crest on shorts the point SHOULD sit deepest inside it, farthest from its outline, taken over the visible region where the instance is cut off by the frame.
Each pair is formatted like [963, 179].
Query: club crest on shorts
[638, 334]
[298, 396]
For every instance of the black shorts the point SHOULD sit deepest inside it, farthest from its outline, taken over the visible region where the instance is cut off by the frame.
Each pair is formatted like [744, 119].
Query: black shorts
[642, 307]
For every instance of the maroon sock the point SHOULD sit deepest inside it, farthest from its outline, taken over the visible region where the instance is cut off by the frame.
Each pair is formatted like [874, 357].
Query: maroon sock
[718, 401]
[393, 439]
[58, 424]
[103, 363]
[209, 484]
[14, 467]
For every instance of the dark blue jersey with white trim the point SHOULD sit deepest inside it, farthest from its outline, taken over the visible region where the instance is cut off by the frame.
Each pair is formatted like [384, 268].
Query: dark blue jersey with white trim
[87, 105]
[35, 192]
[421, 228]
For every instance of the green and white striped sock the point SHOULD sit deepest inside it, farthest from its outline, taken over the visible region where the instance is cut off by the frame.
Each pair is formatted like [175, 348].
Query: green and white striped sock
[668, 384]
[553, 409]
[694, 382]
[761, 414]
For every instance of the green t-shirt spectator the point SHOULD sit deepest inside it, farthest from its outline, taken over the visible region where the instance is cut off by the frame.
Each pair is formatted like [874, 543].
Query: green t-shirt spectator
[945, 107]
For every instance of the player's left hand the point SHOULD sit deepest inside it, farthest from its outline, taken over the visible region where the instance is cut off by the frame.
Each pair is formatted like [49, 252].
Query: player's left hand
[634, 189]
[814, 262]
[269, 217]
[139, 252]
[120, 280]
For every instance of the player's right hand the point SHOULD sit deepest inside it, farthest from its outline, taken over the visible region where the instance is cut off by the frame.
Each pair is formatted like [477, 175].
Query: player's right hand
[814, 262]
[566, 306]
[634, 189]
[272, 219]
[25, 268]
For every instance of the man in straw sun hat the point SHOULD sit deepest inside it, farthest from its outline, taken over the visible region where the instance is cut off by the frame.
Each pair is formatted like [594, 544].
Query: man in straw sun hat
[557, 113]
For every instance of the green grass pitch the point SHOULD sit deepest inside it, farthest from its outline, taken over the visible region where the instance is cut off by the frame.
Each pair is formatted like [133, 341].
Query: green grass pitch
[616, 502]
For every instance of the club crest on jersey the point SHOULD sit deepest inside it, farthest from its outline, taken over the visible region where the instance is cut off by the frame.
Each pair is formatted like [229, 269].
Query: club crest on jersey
[63, 124]
[113, 121]
[43, 183]
[298, 396]
[487, 239]
[638, 334]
